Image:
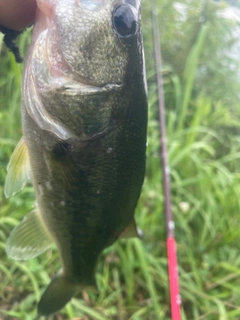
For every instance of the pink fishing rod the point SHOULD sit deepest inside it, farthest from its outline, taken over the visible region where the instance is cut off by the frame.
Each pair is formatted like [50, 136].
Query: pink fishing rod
[170, 243]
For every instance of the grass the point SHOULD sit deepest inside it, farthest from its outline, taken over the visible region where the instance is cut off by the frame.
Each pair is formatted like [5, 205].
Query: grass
[203, 146]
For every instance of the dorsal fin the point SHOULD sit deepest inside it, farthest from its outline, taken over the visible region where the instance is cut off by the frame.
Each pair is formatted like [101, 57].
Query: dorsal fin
[131, 231]
[18, 170]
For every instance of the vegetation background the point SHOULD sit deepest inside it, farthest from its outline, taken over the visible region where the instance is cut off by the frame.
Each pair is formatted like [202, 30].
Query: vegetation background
[200, 48]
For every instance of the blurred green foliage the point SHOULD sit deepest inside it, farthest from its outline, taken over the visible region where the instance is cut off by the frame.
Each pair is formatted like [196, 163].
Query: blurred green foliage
[202, 85]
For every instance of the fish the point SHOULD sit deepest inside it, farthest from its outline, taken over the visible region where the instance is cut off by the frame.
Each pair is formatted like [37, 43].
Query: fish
[84, 118]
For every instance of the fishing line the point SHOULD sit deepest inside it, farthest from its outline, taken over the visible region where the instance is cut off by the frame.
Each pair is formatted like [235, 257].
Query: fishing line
[170, 241]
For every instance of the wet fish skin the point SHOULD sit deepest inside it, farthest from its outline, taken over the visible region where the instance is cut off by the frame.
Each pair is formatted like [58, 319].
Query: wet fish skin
[84, 117]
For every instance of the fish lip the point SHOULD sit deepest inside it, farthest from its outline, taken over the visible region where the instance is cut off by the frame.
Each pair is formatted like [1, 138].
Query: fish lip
[85, 88]
[68, 86]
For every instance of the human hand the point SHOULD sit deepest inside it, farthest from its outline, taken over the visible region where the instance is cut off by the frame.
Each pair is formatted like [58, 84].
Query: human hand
[17, 14]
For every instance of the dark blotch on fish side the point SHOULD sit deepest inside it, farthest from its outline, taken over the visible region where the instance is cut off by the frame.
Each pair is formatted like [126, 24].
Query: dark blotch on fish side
[61, 149]
[9, 39]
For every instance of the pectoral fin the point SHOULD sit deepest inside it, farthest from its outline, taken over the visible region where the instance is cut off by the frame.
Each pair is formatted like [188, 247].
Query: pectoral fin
[18, 170]
[29, 239]
[132, 231]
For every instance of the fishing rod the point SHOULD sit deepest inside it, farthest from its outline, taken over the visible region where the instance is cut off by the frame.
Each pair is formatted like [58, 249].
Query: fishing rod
[175, 299]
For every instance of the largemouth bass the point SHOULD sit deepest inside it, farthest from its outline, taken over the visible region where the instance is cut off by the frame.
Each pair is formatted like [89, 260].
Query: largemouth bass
[84, 114]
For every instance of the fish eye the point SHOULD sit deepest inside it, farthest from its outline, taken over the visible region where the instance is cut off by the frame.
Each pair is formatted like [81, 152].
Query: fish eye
[124, 21]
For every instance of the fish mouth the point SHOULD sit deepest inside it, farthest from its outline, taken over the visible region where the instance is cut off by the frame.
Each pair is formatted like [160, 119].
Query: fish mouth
[85, 88]
[70, 82]
[82, 86]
